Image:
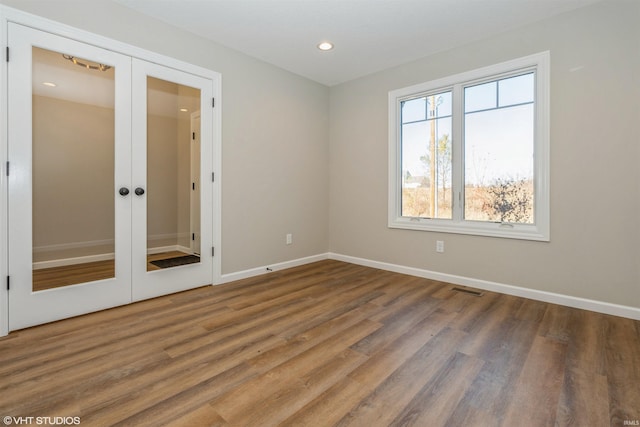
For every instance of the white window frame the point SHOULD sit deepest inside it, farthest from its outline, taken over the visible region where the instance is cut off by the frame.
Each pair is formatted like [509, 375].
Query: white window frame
[456, 83]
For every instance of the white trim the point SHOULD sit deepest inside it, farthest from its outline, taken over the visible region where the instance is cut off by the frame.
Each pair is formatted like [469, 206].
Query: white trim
[168, 236]
[183, 249]
[544, 296]
[104, 257]
[40, 265]
[4, 293]
[216, 133]
[72, 245]
[170, 248]
[239, 275]
[193, 206]
[105, 242]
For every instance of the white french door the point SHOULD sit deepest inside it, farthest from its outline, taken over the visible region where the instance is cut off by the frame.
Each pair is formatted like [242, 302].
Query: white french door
[63, 175]
[163, 100]
[99, 183]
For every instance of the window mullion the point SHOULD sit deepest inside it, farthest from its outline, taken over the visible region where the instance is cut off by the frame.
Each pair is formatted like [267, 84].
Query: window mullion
[458, 153]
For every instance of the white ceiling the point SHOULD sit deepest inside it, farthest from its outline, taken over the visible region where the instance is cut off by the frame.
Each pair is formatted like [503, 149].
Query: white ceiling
[369, 35]
[73, 83]
[92, 87]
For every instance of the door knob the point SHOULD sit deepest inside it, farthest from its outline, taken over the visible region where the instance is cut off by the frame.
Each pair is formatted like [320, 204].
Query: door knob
[123, 191]
[139, 191]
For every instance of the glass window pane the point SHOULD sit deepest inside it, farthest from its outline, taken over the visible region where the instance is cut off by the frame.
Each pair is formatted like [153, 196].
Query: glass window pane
[173, 174]
[414, 110]
[499, 165]
[480, 97]
[73, 170]
[516, 90]
[442, 105]
[426, 163]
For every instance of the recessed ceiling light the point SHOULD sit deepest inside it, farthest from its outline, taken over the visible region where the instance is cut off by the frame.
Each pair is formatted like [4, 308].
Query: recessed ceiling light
[50, 84]
[325, 46]
[184, 110]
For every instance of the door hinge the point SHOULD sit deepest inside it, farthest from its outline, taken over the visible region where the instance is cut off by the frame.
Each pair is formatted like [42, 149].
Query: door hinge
[8, 282]
[193, 185]
[213, 251]
[213, 101]
[193, 136]
[7, 53]
[213, 177]
[193, 236]
[7, 168]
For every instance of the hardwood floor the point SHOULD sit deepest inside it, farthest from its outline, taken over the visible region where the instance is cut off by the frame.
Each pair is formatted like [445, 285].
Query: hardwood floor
[328, 344]
[56, 277]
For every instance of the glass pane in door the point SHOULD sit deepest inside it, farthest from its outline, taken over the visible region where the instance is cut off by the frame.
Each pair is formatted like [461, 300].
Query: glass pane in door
[73, 170]
[173, 174]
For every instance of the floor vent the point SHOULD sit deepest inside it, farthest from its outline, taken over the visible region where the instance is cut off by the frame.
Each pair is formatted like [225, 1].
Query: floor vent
[468, 291]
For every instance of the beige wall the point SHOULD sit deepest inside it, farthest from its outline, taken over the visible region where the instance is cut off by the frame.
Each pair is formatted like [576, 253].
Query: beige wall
[73, 181]
[274, 132]
[162, 185]
[183, 173]
[73, 154]
[168, 166]
[168, 181]
[595, 196]
[183, 180]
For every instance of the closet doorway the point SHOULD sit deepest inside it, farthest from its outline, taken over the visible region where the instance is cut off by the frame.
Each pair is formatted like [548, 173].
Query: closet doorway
[101, 187]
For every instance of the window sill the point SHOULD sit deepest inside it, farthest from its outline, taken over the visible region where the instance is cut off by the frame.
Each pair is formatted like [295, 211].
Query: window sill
[475, 228]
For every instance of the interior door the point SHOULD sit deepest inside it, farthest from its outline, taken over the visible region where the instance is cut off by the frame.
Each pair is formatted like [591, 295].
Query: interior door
[166, 256]
[69, 151]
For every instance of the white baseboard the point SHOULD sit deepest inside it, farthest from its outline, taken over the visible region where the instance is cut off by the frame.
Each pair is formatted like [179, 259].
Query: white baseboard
[73, 245]
[103, 257]
[170, 248]
[169, 236]
[72, 261]
[550, 297]
[185, 249]
[230, 277]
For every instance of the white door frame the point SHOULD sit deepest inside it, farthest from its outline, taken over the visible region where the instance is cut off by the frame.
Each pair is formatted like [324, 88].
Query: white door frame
[195, 202]
[7, 15]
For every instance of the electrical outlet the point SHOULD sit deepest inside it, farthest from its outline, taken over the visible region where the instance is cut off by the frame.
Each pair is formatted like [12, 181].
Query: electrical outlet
[289, 239]
[440, 246]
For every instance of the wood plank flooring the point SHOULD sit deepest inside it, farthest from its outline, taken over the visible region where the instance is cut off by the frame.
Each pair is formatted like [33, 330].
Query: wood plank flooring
[56, 277]
[327, 344]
